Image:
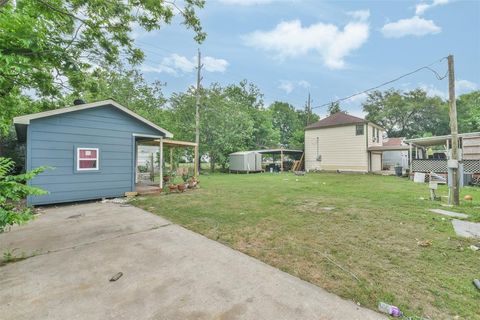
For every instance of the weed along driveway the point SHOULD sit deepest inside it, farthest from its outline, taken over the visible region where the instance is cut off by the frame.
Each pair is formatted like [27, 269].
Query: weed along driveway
[167, 272]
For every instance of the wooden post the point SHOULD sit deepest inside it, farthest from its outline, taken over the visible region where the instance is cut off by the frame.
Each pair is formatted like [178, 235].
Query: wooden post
[281, 159]
[410, 156]
[160, 164]
[454, 130]
[136, 162]
[197, 158]
[152, 172]
[197, 112]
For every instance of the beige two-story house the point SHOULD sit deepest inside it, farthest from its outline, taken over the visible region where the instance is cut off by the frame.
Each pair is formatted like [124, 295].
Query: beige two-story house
[342, 142]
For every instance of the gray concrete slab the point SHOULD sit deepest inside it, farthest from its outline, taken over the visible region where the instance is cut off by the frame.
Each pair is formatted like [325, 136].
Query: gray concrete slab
[449, 213]
[466, 229]
[168, 273]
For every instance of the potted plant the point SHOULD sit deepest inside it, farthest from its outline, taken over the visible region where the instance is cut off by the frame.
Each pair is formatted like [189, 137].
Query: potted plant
[192, 183]
[172, 187]
[181, 187]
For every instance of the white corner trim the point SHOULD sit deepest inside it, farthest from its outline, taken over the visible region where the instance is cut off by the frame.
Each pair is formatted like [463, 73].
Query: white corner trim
[27, 118]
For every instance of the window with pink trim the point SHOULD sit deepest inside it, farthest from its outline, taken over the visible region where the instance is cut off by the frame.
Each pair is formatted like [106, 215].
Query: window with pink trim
[87, 159]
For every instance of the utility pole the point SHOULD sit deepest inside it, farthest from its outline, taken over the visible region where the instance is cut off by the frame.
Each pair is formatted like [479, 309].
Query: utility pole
[197, 115]
[308, 109]
[454, 189]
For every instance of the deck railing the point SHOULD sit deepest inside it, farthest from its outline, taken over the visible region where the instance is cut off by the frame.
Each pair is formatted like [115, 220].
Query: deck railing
[440, 165]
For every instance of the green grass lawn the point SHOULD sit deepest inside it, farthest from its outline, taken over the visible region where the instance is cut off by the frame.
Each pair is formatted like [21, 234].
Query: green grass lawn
[366, 249]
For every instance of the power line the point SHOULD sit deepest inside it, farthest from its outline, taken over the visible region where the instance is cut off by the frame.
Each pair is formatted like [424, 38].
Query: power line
[427, 67]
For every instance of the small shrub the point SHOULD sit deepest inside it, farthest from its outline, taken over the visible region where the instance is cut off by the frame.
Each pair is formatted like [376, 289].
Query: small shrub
[13, 190]
[142, 168]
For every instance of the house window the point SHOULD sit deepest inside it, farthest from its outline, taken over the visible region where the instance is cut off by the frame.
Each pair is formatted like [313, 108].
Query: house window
[87, 159]
[378, 135]
[359, 129]
[373, 134]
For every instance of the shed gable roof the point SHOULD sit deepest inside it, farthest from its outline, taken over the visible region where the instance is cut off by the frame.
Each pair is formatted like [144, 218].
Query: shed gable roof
[23, 121]
[336, 119]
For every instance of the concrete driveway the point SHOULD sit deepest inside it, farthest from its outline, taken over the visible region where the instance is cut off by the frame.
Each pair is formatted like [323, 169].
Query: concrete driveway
[168, 273]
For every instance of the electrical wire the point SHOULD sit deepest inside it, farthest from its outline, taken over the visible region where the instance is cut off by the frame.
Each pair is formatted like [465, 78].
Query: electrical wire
[427, 67]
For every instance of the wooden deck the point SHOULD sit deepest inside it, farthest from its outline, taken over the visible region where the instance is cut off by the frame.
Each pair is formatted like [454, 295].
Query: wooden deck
[143, 189]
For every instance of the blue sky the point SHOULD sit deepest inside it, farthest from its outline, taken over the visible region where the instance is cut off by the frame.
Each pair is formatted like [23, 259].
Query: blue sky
[328, 48]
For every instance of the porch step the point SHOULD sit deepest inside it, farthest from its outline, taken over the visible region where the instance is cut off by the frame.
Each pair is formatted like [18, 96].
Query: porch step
[143, 190]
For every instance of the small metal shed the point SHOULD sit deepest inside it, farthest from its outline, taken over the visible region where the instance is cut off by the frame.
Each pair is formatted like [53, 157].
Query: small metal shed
[245, 161]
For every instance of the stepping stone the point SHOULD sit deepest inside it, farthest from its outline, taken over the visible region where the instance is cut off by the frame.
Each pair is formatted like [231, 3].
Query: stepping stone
[449, 213]
[466, 229]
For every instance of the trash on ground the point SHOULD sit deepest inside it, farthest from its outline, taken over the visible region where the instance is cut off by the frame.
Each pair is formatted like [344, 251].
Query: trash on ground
[117, 276]
[328, 208]
[475, 247]
[424, 243]
[75, 216]
[389, 309]
[115, 200]
[476, 282]
[449, 213]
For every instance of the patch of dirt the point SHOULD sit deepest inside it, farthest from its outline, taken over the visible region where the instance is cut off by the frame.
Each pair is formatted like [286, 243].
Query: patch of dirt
[311, 206]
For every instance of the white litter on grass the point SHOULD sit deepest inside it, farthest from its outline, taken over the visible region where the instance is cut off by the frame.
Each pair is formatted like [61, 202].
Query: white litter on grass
[466, 229]
[115, 200]
[449, 213]
[328, 208]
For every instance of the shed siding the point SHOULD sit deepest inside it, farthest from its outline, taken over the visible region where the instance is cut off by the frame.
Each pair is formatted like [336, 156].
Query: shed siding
[52, 141]
[339, 147]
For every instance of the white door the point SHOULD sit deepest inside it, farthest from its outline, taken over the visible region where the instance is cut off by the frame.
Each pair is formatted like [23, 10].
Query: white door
[376, 162]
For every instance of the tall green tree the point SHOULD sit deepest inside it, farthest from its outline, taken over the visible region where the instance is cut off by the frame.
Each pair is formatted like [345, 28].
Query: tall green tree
[129, 88]
[247, 97]
[47, 46]
[407, 114]
[286, 119]
[334, 107]
[468, 110]
[225, 127]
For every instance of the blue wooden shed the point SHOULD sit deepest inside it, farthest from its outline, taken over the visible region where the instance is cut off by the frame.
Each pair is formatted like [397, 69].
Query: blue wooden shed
[91, 149]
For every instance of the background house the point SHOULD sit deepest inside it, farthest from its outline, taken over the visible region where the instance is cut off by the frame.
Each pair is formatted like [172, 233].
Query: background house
[343, 142]
[91, 149]
[391, 158]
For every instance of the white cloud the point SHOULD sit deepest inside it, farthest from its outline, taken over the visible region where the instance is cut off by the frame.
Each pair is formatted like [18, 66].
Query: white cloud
[179, 62]
[433, 91]
[464, 86]
[290, 39]
[246, 2]
[423, 6]
[415, 26]
[214, 65]
[304, 84]
[288, 86]
[356, 100]
[176, 63]
[361, 15]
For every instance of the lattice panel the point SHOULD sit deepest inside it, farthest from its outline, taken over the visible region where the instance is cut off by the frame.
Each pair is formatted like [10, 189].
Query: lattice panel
[471, 166]
[428, 165]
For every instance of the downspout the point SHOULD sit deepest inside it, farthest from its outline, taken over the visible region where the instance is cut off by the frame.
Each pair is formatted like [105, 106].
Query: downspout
[161, 163]
[368, 153]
